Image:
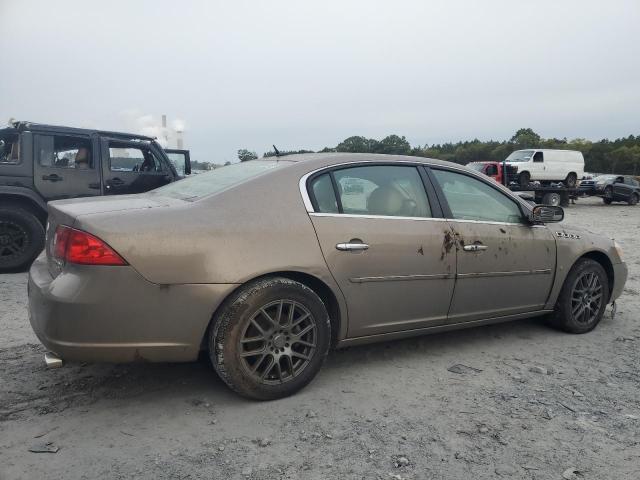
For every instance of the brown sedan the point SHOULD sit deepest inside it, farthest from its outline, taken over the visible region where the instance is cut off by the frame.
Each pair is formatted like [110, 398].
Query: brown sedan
[266, 264]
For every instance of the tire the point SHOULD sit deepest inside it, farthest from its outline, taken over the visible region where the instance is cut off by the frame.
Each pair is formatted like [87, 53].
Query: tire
[524, 178]
[633, 200]
[553, 199]
[571, 181]
[571, 312]
[607, 201]
[281, 365]
[608, 193]
[21, 238]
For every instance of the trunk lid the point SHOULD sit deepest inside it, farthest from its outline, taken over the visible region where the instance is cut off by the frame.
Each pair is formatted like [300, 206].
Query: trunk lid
[68, 212]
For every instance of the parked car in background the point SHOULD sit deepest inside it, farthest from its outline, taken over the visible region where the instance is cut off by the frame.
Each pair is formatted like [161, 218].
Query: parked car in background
[39, 163]
[267, 263]
[617, 188]
[546, 165]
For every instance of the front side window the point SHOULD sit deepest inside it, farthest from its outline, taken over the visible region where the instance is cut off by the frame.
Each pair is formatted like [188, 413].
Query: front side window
[133, 159]
[472, 199]
[65, 152]
[630, 181]
[384, 190]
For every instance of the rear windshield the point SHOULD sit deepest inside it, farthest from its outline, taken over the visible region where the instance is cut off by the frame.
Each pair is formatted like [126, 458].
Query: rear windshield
[476, 166]
[203, 184]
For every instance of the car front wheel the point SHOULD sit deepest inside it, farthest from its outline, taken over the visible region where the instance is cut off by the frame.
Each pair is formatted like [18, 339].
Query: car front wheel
[583, 298]
[270, 338]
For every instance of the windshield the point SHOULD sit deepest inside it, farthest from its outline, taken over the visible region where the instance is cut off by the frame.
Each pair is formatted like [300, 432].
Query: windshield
[199, 186]
[520, 156]
[476, 166]
[604, 178]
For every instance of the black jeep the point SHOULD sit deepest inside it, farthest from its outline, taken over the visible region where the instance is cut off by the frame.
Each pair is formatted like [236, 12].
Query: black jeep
[39, 163]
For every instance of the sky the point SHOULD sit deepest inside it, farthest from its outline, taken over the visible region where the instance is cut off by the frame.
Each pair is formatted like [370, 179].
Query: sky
[308, 74]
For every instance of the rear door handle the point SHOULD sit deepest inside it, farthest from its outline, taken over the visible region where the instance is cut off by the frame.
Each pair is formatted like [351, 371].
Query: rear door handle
[352, 247]
[54, 177]
[116, 182]
[474, 247]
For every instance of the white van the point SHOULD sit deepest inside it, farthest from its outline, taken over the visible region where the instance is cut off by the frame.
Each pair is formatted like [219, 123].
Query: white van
[547, 165]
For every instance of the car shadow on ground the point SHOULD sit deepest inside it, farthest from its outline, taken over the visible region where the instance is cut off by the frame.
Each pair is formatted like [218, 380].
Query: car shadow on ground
[32, 386]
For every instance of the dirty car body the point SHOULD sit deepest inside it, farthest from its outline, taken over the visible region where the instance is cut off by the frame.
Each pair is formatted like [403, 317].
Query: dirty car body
[266, 264]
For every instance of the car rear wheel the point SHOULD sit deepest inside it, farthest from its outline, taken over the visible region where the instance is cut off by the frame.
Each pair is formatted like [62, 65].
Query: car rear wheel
[21, 238]
[270, 338]
[633, 200]
[608, 193]
[571, 180]
[583, 298]
[524, 178]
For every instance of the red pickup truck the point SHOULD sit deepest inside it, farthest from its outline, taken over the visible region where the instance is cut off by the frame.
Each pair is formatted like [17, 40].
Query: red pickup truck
[494, 170]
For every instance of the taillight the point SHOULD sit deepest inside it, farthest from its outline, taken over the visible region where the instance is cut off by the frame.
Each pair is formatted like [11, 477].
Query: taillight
[75, 246]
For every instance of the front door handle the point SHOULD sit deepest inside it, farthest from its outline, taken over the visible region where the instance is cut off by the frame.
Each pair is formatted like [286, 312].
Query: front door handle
[475, 247]
[352, 247]
[54, 177]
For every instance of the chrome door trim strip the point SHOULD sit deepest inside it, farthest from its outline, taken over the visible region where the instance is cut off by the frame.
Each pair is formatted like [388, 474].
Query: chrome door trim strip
[546, 271]
[401, 278]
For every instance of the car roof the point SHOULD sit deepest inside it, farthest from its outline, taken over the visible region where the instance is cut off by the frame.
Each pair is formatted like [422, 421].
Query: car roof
[21, 126]
[321, 160]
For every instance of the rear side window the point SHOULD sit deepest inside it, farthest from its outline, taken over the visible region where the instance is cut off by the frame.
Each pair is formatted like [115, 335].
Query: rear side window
[385, 190]
[324, 194]
[133, 159]
[9, 149]
[64, 152]
[472, 199]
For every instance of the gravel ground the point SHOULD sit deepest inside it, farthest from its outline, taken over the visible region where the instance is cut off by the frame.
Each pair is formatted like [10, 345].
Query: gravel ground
[538, 404]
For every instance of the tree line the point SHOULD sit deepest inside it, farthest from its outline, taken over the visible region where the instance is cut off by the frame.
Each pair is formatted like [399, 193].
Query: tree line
[621, 156]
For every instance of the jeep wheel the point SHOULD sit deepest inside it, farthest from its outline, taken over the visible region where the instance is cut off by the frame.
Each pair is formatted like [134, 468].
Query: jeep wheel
[633, 200]
[270, 338]
[583, 298]
[21, 238]
[524, 178]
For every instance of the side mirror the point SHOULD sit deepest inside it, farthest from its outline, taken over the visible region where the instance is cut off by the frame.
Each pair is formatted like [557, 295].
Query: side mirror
[547, 214]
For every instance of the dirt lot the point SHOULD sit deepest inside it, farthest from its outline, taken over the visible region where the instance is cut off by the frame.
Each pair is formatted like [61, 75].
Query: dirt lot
[541, 404]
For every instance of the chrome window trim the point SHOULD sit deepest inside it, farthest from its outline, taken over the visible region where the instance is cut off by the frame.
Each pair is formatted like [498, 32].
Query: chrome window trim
[302, 185]
[421, 219]
[375, 217]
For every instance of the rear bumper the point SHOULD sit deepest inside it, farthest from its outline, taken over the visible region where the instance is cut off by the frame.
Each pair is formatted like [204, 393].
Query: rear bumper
[112, 314]
[620, 273]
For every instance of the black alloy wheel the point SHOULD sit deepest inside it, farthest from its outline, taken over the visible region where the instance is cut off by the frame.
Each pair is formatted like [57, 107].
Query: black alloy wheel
[270, 338]
[21, 238]
[583, 298]
[278, 342]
